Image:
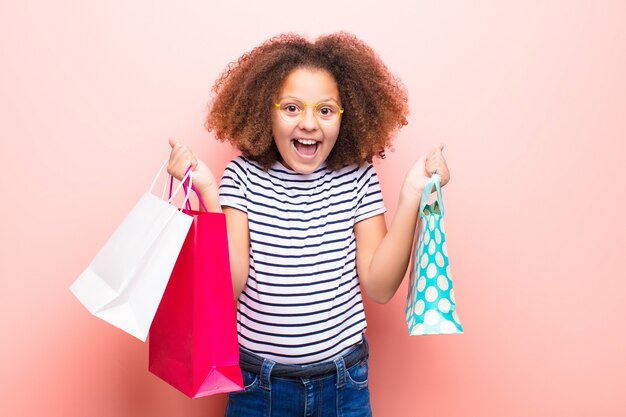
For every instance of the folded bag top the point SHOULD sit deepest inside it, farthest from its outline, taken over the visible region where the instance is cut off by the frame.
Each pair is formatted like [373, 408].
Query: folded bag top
[430, 306]
[124, 283]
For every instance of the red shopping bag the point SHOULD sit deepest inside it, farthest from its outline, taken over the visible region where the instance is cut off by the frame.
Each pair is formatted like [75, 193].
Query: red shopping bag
[193, 338]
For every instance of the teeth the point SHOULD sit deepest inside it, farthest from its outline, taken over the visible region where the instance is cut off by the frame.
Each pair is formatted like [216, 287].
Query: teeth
[306, 141]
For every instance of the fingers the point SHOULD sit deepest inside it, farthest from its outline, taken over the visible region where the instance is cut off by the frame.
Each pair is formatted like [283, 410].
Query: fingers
[433, 161]
[438, 150]
[436, 163]
[181, 158]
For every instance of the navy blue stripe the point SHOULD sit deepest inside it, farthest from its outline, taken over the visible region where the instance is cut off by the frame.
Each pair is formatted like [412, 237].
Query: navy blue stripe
[361, 310]
[283, 237]
[310, 303]
[308, 283]
[236, 196]
[365, 172]
[235, 182]
[231, 186]
[299, 294]
[372, 193]
[281, 188]
[302, 255]
[304, 229]
[281, 182]
[293, 210]
[369, 204]
[326, 213]
[307, 200]
[317, 245]
[298, 178]
[294, 314]
[366, 184]
[325, 330]
[367, 194]
[238, 165]
[327, 261]
[306, 274]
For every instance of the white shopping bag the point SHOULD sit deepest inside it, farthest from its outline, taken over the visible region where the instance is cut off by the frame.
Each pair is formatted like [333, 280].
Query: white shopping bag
[124, 283]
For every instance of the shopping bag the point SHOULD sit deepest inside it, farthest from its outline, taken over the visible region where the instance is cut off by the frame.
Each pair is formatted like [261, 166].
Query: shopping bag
[124, 283]
[430, 307]
[193, 342]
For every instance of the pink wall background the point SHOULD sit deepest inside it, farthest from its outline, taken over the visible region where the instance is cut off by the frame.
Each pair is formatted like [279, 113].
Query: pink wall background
[529, 99]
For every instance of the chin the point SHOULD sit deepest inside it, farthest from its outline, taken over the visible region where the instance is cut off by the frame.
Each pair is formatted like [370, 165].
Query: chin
[305, 170]
[302, 168]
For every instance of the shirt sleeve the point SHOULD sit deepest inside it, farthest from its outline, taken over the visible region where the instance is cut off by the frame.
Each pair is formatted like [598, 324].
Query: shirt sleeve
[233, 185]
[370, 198]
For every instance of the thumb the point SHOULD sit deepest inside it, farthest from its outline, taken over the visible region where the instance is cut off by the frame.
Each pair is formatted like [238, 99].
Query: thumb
[440, 147]
[172, 142]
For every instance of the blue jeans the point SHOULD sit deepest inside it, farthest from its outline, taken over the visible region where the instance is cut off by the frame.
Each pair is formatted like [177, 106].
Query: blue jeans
[341, 392]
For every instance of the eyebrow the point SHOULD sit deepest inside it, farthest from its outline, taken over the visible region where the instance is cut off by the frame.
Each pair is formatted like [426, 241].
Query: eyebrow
[299, 99]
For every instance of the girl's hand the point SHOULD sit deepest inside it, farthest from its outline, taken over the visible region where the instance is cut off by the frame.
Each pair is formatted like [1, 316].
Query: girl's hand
[421, 172]
[182, 158]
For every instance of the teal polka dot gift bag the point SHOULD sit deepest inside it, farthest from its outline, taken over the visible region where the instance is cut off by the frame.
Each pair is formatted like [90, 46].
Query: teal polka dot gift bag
[430, 306]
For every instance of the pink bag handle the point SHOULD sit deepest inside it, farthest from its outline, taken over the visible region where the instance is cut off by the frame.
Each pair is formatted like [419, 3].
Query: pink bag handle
[188, 175]
[193, 187]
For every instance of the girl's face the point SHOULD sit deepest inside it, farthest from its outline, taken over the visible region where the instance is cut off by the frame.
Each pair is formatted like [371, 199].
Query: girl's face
[305, 144]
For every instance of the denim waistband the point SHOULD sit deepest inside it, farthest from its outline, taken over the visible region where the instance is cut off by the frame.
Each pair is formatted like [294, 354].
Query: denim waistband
[254, 363]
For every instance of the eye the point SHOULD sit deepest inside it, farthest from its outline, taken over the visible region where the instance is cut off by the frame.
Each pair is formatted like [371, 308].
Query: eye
[327, 110]
[290, 108]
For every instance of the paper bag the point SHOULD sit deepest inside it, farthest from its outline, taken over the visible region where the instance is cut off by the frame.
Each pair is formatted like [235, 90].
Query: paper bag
[193, 339]
[124, 283]
[430, 307]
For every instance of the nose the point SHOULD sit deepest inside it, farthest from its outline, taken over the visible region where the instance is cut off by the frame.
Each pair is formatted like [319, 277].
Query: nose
[309, 121]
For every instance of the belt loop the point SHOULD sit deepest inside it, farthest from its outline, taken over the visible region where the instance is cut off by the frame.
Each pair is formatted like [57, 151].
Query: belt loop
[341, 372]
[265, 374]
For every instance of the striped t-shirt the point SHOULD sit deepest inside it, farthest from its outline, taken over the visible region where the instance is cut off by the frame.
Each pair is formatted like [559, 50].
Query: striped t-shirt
[302, 301]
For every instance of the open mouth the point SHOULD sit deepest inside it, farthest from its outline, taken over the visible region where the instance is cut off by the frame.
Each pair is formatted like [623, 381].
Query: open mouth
[305, 147]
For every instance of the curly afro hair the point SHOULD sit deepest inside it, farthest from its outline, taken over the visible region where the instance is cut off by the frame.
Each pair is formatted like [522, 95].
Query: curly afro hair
[375, 101]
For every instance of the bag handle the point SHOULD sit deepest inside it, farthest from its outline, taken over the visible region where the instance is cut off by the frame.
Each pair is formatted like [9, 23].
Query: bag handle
[435, 181]
[188, 175]
[193, 187]
[187, 205]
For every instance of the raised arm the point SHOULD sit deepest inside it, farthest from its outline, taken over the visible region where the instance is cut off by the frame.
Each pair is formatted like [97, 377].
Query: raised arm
[382, 255]
[181, 158]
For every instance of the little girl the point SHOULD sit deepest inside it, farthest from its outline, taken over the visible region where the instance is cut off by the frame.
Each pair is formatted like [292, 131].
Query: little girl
[304, 214]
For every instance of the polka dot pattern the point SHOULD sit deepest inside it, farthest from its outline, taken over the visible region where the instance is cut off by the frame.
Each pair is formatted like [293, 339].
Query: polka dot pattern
[442, 282]
[431, 304]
